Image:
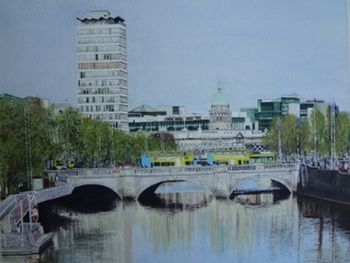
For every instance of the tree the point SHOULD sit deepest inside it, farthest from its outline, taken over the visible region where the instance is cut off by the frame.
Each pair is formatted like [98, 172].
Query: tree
[304, 135]
[270, 140]
[12, 150]
[68, 125]
[320, 140]
[164, 141]
[342, 130]
[289, 138]
[31, 135]
[295, 135]
[24, 140]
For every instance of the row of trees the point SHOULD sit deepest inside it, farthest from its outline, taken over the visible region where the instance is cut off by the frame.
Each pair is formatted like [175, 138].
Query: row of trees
[33, 136]
[312, 135]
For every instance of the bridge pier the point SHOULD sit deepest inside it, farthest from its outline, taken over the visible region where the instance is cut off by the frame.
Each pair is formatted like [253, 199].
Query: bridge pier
[220, 187]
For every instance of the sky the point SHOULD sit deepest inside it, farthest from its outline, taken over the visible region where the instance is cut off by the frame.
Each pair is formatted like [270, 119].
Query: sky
[181, 51]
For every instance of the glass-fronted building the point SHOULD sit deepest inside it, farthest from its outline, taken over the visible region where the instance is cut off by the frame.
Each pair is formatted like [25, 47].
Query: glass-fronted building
[269, 109]
[102, 83]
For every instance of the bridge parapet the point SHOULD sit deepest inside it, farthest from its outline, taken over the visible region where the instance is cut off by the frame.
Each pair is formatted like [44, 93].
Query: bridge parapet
[174, 170]
[63, 174]
[84, 171]
[53, 192]
[160, 170]
[221, 180]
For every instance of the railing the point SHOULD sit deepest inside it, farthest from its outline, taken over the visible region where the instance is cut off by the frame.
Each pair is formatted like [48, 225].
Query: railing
[283, 165]
[62, 175]
[7, 205]
[84, 172]
[244, 167]
[174, 170]
[53, 192]
[23, 204]
[18, 204]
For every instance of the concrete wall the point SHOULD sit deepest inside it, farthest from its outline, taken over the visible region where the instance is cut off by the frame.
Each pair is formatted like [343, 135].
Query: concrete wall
[325, 184]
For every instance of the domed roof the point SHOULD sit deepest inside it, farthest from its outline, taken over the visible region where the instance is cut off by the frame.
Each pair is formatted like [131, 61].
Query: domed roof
[219, 98]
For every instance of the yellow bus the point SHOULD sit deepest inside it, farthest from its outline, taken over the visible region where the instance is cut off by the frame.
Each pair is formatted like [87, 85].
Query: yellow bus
[213, 157]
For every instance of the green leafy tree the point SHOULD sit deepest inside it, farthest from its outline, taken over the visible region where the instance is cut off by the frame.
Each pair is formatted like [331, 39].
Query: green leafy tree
[68, 125]
[342, 130]
[12, 151]
[24, 140]
[164, 141]
[295, 136]
[320, 133]
[270, 140]
[289, 137]
[304, 137]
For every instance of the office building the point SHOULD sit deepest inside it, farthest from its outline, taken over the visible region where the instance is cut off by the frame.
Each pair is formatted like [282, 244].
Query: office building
[102, 83]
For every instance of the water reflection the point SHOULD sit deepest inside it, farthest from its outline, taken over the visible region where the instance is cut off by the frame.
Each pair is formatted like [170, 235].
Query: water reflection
[332, 225]
[177, 196]
[290, 230]
[262, 199]
[219, 232]
[255, 199]
[222, 231]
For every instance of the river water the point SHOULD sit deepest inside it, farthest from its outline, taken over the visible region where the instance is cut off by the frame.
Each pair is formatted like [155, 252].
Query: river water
[192, 226]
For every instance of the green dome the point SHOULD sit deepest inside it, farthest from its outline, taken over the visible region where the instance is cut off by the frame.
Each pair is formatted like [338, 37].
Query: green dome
[219, 98]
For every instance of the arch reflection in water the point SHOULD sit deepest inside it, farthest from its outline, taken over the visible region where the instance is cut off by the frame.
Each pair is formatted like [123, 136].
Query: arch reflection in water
[259, 191]
[261, 199]
[176, 195]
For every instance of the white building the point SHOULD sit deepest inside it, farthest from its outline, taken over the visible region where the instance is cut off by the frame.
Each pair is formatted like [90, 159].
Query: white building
[221, 129]
[216, 139]
[102, 83]
[220, 114]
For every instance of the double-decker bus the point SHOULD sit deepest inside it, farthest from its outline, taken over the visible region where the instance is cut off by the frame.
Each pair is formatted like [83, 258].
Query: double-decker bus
[201, 157]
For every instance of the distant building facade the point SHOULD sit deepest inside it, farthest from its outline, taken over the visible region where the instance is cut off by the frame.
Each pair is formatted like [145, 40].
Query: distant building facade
[221, 129]
[267, 110]
[217, 139]
[167, 118]
[102, 83]
[308, 106]
[220, 114]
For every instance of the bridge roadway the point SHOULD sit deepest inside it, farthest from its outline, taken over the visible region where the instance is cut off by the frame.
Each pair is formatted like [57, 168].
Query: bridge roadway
[222, 181]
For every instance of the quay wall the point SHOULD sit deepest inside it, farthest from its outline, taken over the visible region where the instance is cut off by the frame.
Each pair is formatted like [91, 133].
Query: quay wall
[324, 184]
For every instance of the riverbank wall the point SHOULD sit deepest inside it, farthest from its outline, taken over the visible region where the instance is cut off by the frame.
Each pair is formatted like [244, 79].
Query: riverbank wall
[331, 185]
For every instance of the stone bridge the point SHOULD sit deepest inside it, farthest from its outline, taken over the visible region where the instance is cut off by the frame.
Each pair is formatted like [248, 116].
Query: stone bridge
[25, 237]
[222, 181]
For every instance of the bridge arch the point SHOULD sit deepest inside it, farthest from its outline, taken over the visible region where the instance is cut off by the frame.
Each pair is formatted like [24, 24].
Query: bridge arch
[280, 181]
[150, 187]
[95, 184]
[283, 183]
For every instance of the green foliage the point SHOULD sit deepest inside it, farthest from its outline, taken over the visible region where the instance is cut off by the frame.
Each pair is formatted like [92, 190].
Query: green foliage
[290, 133]
[289, 136]
[311, 135]
[295, 136]
[342, 131]
[24, 140]
[304, 135]
[320, 133]
[31, 135]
